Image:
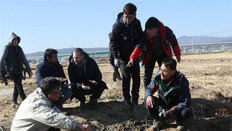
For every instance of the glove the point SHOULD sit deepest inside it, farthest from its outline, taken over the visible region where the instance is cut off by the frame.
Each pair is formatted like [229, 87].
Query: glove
[116, 62]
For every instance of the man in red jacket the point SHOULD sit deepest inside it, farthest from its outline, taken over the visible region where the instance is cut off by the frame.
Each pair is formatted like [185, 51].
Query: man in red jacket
[155, 46]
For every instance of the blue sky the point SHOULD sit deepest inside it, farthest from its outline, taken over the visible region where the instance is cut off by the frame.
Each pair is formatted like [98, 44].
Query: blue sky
[86, 23]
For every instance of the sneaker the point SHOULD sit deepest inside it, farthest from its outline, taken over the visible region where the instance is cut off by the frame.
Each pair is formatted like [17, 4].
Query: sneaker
[15, 105]
[180, 128]
[128, 103]
[93, 101]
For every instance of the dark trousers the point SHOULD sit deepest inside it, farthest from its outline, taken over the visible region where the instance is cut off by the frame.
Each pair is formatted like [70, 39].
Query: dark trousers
[96, 91]
[181, 116]
[149, 67]
[127, 73]
[116, 74]
[18, 88]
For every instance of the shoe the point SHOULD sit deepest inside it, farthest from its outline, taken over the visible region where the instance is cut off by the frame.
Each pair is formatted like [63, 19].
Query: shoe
[180, 128]
[15, 105]
[128, 103]
[93, 101]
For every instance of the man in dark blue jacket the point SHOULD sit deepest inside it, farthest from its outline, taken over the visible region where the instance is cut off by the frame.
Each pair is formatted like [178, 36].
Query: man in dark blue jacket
[51, 68]
[85, 77]
[174, 96]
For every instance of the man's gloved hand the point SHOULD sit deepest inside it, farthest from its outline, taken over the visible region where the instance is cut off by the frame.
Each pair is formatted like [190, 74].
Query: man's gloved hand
[116, 62]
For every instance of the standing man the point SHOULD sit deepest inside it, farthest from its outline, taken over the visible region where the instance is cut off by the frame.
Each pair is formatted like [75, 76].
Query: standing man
[13, 58]
[51, 68]
[124, 37]
[85, 77]
[155, 45]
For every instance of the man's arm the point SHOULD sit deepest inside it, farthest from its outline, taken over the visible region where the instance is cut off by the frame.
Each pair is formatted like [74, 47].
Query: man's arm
[61, 72]
[52, 117]
[2, 60]
[185, 95]
[97, 73]
[71, 73]
[114, 41]
[25, 61]
[151, 88]
[28, 68]
[173, 41]
[38, 74]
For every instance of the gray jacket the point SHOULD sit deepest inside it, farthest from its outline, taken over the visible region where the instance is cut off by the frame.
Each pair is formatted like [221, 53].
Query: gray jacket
[37, 113]
[13, 57]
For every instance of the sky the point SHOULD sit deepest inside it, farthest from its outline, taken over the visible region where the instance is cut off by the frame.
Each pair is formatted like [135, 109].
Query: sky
[58, 24]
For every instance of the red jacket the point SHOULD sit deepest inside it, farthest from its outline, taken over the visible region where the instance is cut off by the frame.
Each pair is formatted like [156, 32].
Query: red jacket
[146, 46]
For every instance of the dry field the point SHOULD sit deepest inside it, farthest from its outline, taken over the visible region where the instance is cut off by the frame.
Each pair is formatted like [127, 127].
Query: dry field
[210, 77]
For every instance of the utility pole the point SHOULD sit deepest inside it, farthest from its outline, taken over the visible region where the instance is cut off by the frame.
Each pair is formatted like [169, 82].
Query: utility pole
[192, 45]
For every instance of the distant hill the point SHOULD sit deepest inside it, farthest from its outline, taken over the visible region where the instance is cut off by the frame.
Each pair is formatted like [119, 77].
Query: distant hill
[187, 40]
[68, 51]
[183, 40]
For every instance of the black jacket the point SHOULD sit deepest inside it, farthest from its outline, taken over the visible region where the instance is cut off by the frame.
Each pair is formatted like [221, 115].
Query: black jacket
[13, 58]
[44, 70]
[124, 37]
[89, 71]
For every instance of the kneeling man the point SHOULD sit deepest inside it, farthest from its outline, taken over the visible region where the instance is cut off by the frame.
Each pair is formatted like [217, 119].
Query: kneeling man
[37, 111]
[85, 77]
[174, 96]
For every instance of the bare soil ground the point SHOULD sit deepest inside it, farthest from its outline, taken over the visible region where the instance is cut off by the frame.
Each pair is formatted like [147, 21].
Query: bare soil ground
[210, 77]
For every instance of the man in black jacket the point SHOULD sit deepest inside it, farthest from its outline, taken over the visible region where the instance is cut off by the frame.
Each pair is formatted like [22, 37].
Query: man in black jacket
[13, 58]
[125, 35]
[51, 68]
[85, 77]
[174, 96]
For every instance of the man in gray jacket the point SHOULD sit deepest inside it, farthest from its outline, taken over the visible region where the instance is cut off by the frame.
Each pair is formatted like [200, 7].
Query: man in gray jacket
[37, 111]
[13, 59]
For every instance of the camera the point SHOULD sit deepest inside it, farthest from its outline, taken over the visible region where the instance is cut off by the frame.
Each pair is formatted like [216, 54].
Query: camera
[162, 114]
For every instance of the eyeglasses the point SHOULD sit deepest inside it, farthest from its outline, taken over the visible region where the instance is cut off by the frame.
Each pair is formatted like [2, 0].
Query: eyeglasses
[129, 16]
[163, 71]
[57, 93]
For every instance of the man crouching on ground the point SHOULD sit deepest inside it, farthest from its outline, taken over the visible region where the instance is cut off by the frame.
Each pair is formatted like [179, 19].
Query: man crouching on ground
[174, 96]
[85, 77]
[38, 113]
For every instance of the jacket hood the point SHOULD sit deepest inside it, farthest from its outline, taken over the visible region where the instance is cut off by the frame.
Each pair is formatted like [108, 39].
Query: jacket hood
[120, 17]
[12, 37]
